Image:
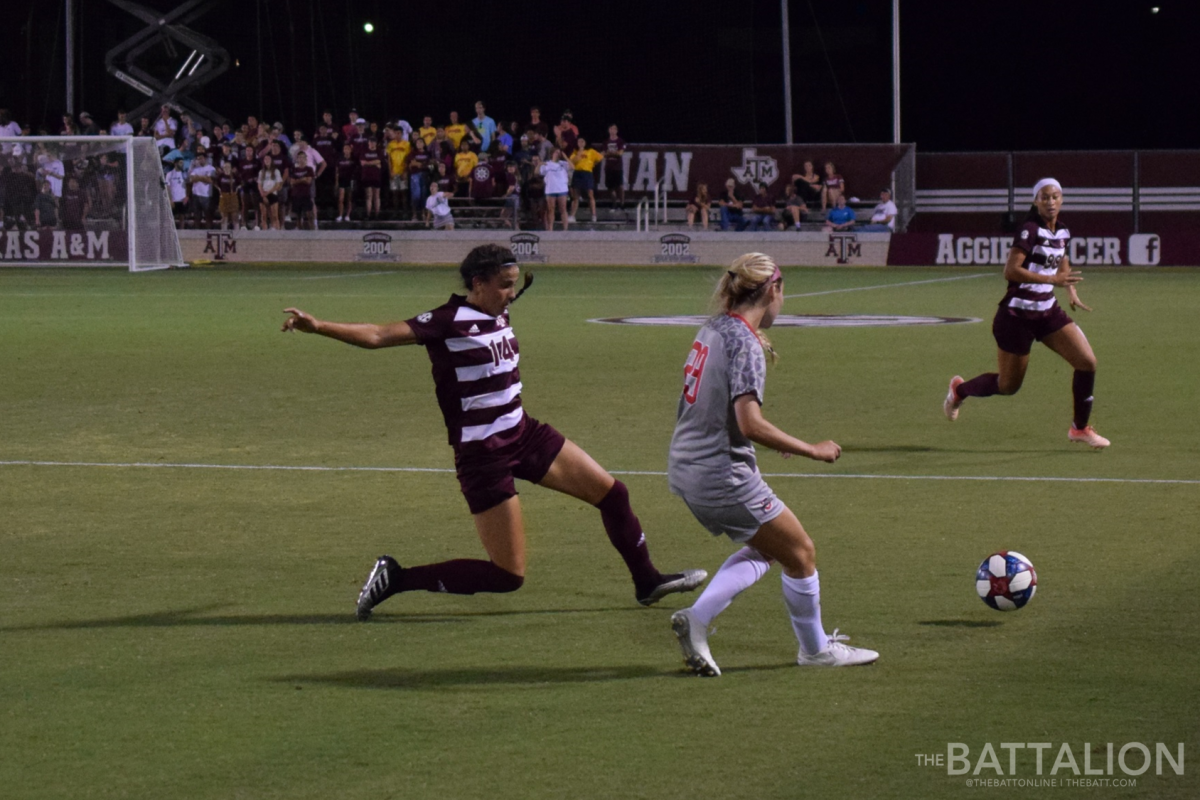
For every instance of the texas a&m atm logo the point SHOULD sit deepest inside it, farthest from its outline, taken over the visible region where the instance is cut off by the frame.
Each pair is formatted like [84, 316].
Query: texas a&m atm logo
[693, 371]
[843, 247]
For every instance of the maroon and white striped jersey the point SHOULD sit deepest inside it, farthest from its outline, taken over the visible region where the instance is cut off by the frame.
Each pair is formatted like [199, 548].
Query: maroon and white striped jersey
[1045, 250]
[474, 357]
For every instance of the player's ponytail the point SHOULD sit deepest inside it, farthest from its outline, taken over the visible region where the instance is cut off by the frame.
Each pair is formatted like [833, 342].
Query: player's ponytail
[746, 283]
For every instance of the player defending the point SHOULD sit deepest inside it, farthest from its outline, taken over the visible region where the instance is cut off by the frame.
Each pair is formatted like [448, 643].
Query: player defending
[712, 467]
[474, 353]
[1029, 311]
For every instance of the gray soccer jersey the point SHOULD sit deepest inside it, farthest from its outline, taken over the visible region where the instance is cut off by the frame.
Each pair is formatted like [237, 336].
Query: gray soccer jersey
[711, 463]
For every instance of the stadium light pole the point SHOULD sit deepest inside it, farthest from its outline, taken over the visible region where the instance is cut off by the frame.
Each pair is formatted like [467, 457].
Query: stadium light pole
[70, 17]
[895, 72]
[787, 70]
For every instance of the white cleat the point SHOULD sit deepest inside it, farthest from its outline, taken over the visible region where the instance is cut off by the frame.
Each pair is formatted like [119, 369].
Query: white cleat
[1089, 437]
[693, 640]
[950, 406]
[837, 654]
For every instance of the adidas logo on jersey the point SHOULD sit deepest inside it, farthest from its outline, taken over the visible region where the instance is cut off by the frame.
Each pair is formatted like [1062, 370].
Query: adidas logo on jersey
[473, 331]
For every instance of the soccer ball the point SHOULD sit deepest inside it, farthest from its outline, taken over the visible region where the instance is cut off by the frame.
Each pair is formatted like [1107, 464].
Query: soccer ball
[1006, 580]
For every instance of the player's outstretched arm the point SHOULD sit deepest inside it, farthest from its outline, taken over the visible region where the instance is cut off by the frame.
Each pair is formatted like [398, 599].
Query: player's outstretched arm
[758, 429]
[359, 334]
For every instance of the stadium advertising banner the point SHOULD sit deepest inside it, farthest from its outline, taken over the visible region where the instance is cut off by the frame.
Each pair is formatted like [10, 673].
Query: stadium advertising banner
[537, 247]
[866, 168]
[62, 247]
[964, 249]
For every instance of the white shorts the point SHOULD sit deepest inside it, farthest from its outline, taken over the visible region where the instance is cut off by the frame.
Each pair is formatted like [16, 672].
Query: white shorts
[741, 521]
[442, 220]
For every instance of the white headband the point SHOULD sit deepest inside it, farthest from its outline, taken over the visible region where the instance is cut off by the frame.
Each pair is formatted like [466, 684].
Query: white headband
[1043, 183]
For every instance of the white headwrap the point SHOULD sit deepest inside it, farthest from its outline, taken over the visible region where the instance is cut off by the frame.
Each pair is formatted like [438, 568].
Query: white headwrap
[1043, 183]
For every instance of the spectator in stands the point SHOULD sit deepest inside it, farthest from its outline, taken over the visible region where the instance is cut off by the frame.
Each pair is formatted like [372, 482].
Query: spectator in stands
[350, 128]
[834, 186]
[315, 160]
[74, 206]
[301, 182]
[270, 185]
[87, 126]
[464, 162]
[438, 205]
[358, 140]
[536, 123]
[51, 168]
[504, 137]
[427, 131]
[557, 172]
[539, 146]
[247, 172]
[731, 206]
[443, 179]
[566, 135]
[762, 211]
[883, 217]
[483, 128]
[345, 176]
[512, 195]
[840, 217]
[8, 128]
[700, 204]
[534, 189]
[121, 126]
[397, 151]
[165, 129]
[483, 181]
[794, 208]
[808, 183]
[443, 148]
[228, 203]
[584, 160]
[177, 188]
[418, 177]
[68, 126]
[145, 128]
[200, 180]
[456, 131]
[370, 172]
[45, 209]
[20, 194]
[614, 167]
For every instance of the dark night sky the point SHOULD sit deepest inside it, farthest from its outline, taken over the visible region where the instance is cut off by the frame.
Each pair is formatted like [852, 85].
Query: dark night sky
[977, 75]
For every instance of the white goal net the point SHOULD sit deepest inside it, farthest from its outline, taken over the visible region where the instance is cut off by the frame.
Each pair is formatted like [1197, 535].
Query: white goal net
[85, 201]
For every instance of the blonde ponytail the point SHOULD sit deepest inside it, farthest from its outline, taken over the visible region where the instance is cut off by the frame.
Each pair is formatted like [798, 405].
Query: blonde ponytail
[747, 281]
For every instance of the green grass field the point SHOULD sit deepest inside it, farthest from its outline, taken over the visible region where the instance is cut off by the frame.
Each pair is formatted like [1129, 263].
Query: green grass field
[188, 632]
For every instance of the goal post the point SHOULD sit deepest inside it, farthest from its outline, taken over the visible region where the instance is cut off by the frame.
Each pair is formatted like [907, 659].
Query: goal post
[86, 201]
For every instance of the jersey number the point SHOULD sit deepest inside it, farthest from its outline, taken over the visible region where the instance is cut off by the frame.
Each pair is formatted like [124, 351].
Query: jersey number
[501, 351]
[693, 371]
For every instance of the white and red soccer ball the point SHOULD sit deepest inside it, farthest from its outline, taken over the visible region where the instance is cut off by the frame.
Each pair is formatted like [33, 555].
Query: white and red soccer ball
[1006, 580]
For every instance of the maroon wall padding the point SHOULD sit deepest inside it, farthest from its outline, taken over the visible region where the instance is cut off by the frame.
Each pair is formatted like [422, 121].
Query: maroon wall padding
[962, 170]
[1169, 168]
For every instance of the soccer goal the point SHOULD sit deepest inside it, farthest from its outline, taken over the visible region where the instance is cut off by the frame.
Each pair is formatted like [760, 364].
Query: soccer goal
[85, 201]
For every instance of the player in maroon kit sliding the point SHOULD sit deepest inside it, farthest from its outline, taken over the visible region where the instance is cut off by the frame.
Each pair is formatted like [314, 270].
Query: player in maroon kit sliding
[1029, 311]
[474, 353]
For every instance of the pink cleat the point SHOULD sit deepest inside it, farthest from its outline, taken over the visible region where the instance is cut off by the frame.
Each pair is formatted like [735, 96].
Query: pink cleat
[1089, 437]
[953, 401]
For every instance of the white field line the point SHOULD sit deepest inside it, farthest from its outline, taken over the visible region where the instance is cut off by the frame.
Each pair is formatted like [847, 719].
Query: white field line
[854, 476]
[891, 285]
[348, 275]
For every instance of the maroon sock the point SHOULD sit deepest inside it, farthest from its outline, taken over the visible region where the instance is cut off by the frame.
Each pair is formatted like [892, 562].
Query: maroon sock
[984, 385]
[1081, 388]
[460, 576]
[625, 533]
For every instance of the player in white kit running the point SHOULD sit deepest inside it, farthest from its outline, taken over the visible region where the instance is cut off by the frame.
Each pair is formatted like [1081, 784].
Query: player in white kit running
[712, 467]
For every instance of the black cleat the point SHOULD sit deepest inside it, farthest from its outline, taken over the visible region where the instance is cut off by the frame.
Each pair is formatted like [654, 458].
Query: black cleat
[684, 581]
[378, 586]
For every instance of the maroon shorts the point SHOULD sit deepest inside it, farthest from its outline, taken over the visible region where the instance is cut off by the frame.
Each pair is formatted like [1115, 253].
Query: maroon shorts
[1016, 334]
[486, 476]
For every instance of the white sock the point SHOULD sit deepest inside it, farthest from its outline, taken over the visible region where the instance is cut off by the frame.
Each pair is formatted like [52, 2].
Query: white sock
[739, 572]
[802, 596]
